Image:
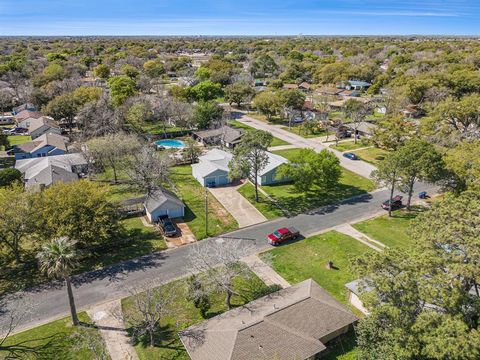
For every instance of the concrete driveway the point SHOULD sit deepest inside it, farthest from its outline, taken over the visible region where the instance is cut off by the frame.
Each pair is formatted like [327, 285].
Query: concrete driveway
[240, 208]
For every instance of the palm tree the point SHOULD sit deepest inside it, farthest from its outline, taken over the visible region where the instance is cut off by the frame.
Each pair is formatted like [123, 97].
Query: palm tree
[57, 259]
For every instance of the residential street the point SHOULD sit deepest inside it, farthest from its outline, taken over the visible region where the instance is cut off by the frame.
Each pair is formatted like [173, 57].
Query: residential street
[113, 282]
[359, 167]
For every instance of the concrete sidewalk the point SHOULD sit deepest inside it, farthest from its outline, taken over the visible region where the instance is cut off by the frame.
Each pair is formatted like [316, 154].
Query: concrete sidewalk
[108, 318]
[240, 208]
[349, 230]
[265, 272]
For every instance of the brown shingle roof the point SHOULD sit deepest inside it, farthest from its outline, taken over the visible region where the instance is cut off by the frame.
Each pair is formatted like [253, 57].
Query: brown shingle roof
[41, 121]
[25, 114]
[288, 324]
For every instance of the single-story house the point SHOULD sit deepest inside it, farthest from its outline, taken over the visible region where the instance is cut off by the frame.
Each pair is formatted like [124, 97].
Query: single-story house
[212, 168]
[328, 91]
[350, 93]
[225, 135]
[268, 175]
[297, 322]
[47, 170]
[353, 85]
[163, 202]
[364, 128]
[43, 125]
[44, 145]
[25, 114]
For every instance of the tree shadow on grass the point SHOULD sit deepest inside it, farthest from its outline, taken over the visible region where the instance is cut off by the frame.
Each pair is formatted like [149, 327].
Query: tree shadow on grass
[296, 202]
[49, 347]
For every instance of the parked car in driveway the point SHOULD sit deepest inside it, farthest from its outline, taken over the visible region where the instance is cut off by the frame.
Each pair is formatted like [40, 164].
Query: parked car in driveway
[396, 203]
[167, 226]
[282, 235]
[350, 156]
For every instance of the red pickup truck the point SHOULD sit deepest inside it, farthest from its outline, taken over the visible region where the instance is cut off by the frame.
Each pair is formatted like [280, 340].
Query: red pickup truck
[282, 235]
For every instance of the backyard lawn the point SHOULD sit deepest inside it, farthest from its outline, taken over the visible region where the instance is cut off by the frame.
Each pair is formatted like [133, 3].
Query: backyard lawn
[193, 195]
[122, 192]
[17, 140]
[182, 314]
[295, 202]
[372, 155]
[393, 231]
[308, 258]
[265, 206]
[57, 340]
[239, 125]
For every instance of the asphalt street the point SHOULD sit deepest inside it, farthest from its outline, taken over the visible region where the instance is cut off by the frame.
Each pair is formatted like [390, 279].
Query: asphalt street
[50, 301]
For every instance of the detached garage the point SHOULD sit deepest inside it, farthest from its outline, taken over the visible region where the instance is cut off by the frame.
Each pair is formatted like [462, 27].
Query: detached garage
[163, 202]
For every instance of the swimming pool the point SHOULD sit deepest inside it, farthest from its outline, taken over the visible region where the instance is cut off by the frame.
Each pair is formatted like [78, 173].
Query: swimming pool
[177, 144]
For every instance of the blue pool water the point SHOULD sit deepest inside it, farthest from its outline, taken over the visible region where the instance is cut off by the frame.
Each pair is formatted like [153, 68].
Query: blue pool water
[179, 144]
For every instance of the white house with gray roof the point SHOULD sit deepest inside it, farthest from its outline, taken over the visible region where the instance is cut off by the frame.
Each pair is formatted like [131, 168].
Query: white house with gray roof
[45, 171]
[268, 175]
[212, 168]
[163, 202]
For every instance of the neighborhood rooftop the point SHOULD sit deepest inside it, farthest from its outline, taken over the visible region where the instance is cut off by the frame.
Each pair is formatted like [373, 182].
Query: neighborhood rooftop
[288, 324]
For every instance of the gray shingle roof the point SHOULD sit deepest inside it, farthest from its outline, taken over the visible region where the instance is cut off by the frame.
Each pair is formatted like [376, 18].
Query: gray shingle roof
[288, 324]
[160, 197]
[230, 135]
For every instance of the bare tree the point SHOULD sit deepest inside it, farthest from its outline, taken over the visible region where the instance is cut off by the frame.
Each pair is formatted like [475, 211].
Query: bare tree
[181, 114]
[219, 261]
[112, 150]
[356, 111]
[6, 100]
[147, 169]
[89, 339]
[149, 305]
[98, 119]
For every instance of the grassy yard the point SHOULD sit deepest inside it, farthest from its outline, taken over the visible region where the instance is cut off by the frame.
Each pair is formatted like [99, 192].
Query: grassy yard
[57, 340]
[265, 206]
[239, 125]
[184, 314]
[308, 258]
[349, 146]
[297, 130]
[290, 199]
[193, 195]
[393, 231]
[157, 129]
[372, 155]
[17, 140]
[121, 192]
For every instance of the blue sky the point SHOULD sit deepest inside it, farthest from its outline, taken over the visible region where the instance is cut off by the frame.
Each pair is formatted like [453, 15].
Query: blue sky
[239, 17]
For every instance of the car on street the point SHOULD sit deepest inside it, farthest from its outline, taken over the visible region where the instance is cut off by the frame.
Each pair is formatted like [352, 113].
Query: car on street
[167, 226]
[396, 203]
[282, 235]
[350, 156]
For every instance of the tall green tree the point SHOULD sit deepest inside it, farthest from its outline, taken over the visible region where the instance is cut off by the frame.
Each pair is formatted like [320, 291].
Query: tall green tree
[121, 87]
[205, 91]
[267, 103]
[238, 93]
[10, 176]
[388, 174]
[312, 171]
[250, 156]
[391, 133]
[102, 71]
[465, 166]
[79, 210]
[423, 301]
[418, 161]
[57, 259]
[206, 114]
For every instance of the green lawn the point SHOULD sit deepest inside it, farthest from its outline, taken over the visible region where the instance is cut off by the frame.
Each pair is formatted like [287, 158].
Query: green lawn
[18, 139]
[182, 314]
[157, 129]
[343, 348]
[193, 195]
[372, 155]
[239, 125]
[137, 240]
[349, 146]
[265, 206]
[308, 258]
[121, 192]
[58, 340]
[298, 131]
[290, 199]
[393, 231]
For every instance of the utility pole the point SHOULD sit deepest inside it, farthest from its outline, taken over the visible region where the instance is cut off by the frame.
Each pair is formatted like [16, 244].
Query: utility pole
[206, 211]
